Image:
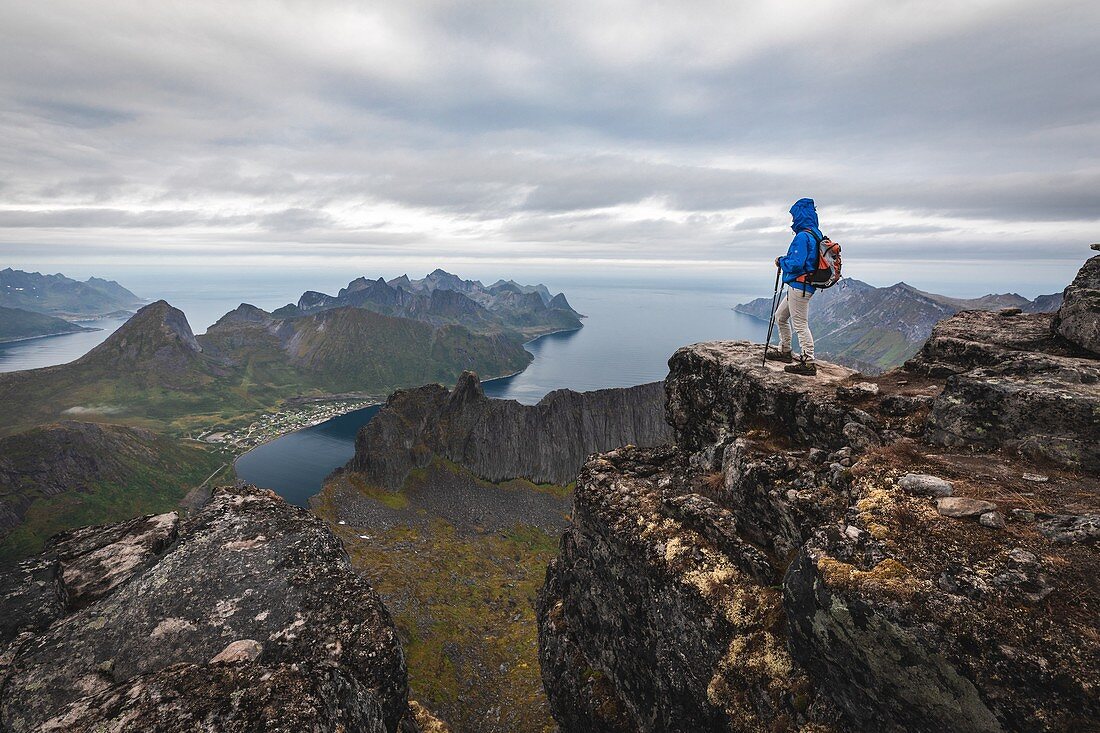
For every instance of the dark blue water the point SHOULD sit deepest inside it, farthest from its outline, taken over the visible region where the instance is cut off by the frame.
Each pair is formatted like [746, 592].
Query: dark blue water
[627, 339]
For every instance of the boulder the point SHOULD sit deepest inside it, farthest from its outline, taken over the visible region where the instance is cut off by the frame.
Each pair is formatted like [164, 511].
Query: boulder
[921, 484]
[719, 389]
[993, 520]
[245, 617]
[960, 507]
[1078, 319]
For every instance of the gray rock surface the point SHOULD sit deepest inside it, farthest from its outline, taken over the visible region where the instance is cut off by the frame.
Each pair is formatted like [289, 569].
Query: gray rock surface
[245, 617]
[1071, 528]
[960, 507]
[1078, 319]
[921, 484]
[502, 439]
[993, 520]
[719, 389]
[1013, 383]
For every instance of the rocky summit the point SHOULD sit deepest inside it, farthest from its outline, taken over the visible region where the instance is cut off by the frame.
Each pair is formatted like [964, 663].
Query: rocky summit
[909, 552]
[245, 617]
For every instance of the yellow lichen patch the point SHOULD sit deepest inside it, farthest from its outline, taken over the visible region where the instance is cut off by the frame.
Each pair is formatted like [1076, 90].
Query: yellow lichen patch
[756, 660]
[874, 503]
[709, 580]
[878, 531]
[889, 576]
[673, 548]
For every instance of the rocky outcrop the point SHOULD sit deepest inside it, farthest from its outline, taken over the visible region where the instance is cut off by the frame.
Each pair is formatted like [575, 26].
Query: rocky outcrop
[1079, 316]
[245, 617]
[814, 555]
[502, 439]
[1013, 383]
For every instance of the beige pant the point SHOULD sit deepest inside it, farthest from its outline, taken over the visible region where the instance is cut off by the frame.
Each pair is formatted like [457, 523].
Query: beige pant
[795, 307]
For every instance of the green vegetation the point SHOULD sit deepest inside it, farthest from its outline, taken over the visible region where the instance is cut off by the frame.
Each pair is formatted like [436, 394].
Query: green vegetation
[469, 629]
[18, 324]
[96, 474]
[462, 598]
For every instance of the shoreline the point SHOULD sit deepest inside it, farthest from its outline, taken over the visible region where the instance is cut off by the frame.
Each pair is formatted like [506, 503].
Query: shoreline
[382, 401]
[20, 339]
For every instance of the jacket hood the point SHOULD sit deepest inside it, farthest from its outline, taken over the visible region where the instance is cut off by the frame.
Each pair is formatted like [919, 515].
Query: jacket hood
[803, 215]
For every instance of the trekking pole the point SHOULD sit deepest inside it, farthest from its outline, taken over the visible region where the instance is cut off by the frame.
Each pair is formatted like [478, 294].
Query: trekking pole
[771, 320]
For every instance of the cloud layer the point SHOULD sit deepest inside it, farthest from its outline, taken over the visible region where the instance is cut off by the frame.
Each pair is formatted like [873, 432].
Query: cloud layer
[567, 132]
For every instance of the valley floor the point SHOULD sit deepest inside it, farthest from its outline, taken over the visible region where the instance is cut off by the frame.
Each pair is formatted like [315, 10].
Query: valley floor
[458, 562]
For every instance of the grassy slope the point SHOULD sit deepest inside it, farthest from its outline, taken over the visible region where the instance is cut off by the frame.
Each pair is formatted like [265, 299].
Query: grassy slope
[141, 475]
[468, 629]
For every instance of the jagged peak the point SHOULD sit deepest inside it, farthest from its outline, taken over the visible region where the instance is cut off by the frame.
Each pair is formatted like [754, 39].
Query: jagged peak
[158, 323]
[467, 389]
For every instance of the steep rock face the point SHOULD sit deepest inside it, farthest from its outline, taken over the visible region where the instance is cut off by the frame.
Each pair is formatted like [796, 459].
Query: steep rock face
[245, 617]
[502, 439]
[770, 572]
[717, 390]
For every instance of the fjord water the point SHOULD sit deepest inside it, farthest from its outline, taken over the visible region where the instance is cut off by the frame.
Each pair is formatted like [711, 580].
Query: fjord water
[627, 339]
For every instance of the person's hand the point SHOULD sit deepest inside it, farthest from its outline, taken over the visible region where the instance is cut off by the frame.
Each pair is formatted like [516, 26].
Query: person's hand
[777, 262]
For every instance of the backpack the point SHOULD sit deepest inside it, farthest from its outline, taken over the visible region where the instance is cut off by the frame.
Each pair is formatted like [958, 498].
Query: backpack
[827, 272]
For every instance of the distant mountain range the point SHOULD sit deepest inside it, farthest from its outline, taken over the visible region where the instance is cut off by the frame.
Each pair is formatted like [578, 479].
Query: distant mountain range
[156, 371]
[34, 305]
[442, 299]
[874, 329]
[60, 296]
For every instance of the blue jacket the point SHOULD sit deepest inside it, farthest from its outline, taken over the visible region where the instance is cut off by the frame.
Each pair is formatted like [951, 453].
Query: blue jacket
[802, 254]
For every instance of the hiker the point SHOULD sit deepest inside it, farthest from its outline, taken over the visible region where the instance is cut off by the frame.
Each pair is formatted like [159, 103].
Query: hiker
[801, 258]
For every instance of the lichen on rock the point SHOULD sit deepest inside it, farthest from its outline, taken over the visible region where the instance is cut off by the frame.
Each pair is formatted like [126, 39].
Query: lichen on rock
[245, 617]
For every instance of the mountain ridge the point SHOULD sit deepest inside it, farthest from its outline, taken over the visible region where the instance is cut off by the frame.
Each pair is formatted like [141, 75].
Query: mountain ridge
[154, 370]
[441, 298]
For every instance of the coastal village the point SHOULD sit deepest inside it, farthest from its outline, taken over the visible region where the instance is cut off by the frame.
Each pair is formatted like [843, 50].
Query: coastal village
[269, 426]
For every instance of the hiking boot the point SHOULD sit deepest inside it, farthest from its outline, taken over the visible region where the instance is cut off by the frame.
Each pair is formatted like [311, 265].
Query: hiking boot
[783, 356]
[805, 367]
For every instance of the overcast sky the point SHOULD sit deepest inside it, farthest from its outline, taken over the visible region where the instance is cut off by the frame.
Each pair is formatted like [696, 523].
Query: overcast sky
[567, 134]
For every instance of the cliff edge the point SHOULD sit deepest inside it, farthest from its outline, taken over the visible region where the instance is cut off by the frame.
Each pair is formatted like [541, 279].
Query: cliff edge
[913, 552]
